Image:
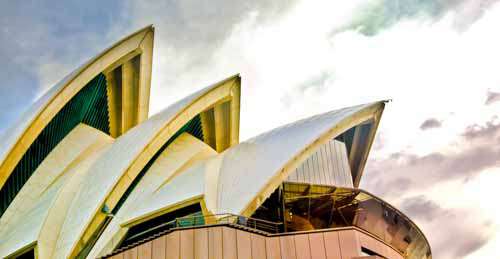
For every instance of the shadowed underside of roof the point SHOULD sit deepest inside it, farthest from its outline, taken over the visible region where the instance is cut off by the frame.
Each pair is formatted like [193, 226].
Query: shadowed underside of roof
[109, 93]
[193, 127]
[89, 106]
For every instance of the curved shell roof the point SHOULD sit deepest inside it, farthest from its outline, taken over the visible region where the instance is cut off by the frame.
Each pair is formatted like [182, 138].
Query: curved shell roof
[24, 221]
[11, 135]
[16, 139]
[182, 152]
[115, 170]
[266, 160]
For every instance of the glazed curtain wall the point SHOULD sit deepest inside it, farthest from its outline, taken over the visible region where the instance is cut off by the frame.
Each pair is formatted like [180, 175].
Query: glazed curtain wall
[311, 207]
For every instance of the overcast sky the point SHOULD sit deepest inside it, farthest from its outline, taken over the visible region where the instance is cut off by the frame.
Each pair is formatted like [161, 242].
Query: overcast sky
[437, 154]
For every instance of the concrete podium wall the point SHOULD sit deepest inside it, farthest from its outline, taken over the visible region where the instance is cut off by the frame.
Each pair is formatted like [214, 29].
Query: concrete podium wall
[224, 242]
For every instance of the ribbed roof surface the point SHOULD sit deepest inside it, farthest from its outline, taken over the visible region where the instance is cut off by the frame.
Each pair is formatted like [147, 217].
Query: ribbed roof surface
[9, 138]
[106, 172]
[79, 97]
[231, 180]
[144, 199]
[261, 158]
[22, 223]
[256, 161]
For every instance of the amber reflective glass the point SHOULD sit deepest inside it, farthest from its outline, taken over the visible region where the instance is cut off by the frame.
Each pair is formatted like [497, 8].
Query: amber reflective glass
[309, 207]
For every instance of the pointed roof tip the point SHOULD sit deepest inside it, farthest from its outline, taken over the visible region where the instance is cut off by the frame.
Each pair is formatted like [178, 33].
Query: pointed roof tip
[151, 27]
[146, 29]
[11, 135]
[236, 76]
[381, 102]
[378, 101]
[278, 149]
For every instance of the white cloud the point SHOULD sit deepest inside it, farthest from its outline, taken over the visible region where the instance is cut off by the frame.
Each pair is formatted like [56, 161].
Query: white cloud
[273, 60]
[428, 69]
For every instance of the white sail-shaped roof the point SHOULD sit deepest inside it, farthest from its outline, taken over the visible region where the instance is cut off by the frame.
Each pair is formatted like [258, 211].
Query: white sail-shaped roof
[156, 187]
[17, 138]
[266, 160]
[30, 213]
[114, 171]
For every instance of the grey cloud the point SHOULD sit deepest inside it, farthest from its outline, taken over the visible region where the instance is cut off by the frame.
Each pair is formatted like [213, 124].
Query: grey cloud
[378, 143]
[459, 239]
[317, 82]
[478, 150]
[434, 159]
[376, 16]
[467, 164]
[444, 225]
[402, 172]
[384, 187]
[197, 28]
[41, 42]
[492, 97]
[469, 245]
[189, 35]
[430, 124]
[488, 132]
[421, 208]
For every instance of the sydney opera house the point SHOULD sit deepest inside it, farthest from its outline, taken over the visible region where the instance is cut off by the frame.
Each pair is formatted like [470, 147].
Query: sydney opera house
[87, 173]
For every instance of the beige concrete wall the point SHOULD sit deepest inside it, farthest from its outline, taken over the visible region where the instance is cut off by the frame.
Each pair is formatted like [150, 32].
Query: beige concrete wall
[223, 242]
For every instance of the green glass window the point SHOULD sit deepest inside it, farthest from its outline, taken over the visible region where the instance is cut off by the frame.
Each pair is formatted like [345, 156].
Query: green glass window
[88, 106]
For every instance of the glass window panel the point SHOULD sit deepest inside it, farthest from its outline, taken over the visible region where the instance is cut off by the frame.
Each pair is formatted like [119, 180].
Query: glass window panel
[309, 207]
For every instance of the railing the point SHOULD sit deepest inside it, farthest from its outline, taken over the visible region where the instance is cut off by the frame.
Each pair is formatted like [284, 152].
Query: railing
[253, 223]
[217, 219]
